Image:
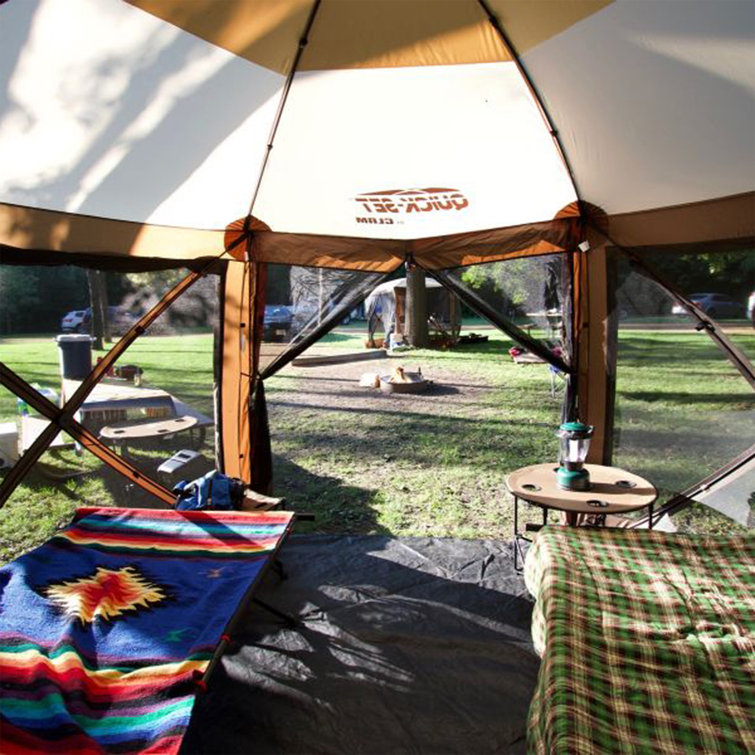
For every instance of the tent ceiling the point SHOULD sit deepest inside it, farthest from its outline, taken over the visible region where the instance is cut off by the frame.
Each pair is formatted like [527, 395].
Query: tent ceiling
[655, 102]
[405, 120]
[370, 33]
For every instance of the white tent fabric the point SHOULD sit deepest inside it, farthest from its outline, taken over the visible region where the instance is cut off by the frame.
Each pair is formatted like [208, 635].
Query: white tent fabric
[655, 101]
[473, 131]
[395, 122]
[113, 112]
[170, 130]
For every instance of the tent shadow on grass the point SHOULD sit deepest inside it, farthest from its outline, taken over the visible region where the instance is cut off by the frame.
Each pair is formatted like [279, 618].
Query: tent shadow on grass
[335, 506]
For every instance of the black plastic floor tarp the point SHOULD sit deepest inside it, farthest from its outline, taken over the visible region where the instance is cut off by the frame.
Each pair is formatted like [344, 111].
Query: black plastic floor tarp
[411, 645]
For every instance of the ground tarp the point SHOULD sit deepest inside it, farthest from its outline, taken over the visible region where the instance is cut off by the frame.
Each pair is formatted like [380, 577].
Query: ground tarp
[415, 645]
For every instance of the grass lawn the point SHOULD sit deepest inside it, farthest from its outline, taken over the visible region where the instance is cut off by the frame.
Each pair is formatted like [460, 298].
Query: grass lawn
[431, 465]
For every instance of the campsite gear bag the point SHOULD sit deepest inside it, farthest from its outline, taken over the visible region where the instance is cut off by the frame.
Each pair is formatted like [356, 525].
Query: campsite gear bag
[212, 491]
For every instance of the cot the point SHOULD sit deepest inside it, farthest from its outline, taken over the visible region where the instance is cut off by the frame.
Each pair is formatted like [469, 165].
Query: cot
[108, 630]
[647, 641]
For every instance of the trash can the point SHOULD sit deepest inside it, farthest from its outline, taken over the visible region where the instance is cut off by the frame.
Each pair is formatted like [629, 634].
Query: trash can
[75, 352]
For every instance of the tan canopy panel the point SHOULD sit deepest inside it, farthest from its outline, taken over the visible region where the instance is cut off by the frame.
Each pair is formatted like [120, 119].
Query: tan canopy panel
[370, 33]
[26, 231]
[714, 225]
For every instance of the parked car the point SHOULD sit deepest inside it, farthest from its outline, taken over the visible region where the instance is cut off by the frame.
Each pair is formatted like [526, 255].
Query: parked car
[751, 309]
[80, 320]
[72, 321]
[714, 305]
[277, 322]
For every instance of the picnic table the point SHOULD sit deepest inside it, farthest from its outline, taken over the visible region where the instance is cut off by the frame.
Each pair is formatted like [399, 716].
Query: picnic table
[121, 412]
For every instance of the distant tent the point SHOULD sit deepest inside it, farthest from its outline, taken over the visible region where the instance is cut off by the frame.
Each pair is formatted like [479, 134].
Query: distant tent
[472, 138]
[385, 307]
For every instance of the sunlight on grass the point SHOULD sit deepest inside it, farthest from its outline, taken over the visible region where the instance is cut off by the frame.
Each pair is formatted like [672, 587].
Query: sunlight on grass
[397, 469]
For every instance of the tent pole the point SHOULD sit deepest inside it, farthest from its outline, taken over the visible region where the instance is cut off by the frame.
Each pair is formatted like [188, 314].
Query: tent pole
[252, 273]
[596, 354]
[303, 42]
[496, 24]
[217, 370]
[62, 418]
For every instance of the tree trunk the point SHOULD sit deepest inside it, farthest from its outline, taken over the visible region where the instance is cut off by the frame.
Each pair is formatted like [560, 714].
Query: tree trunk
[98, 299]
[416, 308]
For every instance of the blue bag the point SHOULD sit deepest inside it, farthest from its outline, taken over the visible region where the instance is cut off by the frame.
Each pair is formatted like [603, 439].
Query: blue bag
[213, 491]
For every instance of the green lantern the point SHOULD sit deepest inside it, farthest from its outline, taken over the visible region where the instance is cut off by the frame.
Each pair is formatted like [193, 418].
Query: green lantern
[575, 443]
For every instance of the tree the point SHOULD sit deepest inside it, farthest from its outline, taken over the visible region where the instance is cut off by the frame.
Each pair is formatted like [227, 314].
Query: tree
[514, 287]
[98, 300]
[416, 307]
[18, 296]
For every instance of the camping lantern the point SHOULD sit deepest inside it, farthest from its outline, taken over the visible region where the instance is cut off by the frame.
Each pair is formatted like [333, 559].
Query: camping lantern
[575, 442]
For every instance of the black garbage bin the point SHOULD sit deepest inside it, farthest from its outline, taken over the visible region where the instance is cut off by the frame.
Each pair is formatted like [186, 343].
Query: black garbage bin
[75, 352]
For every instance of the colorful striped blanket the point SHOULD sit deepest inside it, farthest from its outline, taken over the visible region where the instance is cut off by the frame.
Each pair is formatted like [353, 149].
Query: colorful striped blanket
[106, 628]
[647, 640]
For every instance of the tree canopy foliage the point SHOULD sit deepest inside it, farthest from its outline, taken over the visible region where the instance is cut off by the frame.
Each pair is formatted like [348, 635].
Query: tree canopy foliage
[34, 299]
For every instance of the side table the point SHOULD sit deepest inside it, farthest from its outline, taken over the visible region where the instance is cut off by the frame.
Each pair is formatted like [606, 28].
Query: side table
[612, 491]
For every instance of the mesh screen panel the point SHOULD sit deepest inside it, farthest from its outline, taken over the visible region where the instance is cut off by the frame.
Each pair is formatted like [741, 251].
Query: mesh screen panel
[155, 407]
[682, 410]
[302, 303]
[722, 284]
[734, 496]
[164, 380]
[526, 296]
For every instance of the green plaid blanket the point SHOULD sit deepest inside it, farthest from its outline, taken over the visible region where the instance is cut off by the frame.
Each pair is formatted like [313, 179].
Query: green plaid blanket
[647, 640]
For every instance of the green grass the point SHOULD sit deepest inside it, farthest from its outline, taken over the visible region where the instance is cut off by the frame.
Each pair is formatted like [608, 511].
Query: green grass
[682, 411]
[432, 468]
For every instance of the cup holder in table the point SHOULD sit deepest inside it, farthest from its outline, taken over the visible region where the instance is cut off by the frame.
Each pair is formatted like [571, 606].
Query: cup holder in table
[628, 484]
[597, 503]
[530, 487]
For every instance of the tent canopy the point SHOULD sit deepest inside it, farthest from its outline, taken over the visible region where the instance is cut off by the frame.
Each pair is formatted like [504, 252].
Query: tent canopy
[404, 120]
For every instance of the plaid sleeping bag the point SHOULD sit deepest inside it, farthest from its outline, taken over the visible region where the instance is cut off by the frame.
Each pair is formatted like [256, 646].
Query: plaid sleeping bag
[106, 628]
[647, 640]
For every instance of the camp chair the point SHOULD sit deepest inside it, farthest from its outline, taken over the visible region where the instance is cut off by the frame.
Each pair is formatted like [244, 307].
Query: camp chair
[109, 629]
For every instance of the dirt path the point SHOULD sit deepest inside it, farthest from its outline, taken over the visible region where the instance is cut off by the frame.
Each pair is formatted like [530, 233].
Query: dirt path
[337, 386]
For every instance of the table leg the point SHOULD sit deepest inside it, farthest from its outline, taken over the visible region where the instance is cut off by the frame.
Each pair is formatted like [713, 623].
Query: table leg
[650, 516]
[516, 533]
[518, 536]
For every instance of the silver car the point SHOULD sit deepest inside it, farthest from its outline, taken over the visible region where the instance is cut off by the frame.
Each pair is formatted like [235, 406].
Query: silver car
[714, 305]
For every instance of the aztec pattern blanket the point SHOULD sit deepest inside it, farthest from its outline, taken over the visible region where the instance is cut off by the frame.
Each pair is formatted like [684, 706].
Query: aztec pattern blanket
[106, 628]
[647, 640]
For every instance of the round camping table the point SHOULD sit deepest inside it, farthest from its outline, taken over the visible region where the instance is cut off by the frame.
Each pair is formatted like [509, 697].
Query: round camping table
[122, 433]
[612, 491]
